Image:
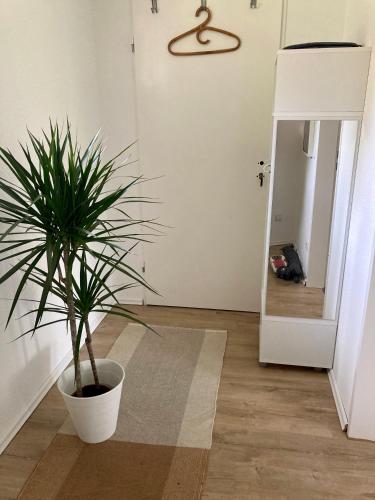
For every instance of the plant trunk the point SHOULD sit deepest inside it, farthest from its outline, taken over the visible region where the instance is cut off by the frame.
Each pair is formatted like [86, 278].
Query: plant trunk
[72, 320]
[88, 343]
[61, 277]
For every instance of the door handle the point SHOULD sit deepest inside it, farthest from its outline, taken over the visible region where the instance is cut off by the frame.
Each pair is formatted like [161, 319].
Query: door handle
[266, 170]
[261, 176]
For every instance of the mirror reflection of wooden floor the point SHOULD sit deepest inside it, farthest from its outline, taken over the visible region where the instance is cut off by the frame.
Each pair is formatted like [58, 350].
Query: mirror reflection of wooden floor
[286, 298]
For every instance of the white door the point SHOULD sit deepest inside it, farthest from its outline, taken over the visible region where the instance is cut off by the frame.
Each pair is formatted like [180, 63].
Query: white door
[204, 123]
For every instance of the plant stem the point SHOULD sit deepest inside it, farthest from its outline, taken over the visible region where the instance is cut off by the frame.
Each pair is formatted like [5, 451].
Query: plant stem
[88, 343]
[61, 278]
[72, 319]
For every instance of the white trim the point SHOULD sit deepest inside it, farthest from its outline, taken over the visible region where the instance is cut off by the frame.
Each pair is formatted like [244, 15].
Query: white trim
[302, 321]
[43, 389]
[284, 24]
[131, 301]
[278, 243]
[267, 232]
[326, 50]
[339, 404]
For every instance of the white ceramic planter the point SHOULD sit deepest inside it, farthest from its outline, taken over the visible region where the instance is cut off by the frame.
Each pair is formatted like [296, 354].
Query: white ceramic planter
[95, 418]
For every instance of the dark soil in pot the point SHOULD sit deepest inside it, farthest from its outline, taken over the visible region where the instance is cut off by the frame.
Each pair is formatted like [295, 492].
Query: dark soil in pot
[89, 391]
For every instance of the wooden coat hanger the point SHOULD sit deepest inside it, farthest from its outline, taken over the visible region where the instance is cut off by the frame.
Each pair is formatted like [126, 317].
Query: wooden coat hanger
[199, 30]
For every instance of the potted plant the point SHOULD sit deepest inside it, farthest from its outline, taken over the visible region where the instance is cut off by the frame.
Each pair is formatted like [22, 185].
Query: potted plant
[61, 230]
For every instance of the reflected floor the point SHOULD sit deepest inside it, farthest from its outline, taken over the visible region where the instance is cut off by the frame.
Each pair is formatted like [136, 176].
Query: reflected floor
[286, 298]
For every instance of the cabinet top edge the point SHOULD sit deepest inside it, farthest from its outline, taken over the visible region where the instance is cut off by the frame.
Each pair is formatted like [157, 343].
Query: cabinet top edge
[337, 50]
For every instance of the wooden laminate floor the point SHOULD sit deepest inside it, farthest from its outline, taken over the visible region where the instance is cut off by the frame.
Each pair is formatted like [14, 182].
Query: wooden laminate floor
[276, 434]
[295, 300]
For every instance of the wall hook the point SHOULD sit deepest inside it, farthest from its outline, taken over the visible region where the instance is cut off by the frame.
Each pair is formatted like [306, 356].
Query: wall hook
[154, 6]
[253, 4]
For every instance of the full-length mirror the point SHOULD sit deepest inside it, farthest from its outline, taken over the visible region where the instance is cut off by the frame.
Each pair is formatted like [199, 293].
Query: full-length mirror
[312, 184]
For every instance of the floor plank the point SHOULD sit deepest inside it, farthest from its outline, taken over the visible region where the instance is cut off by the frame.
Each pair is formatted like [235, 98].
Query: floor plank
[14, 472]
[276, 434]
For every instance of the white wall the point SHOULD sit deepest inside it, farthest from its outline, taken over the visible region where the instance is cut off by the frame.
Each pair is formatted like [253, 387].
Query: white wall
[113, 38]
[323, 204]
[315, 21]
[306, 200]
[49, 69]
[288, 178]
[354, 367]
[362, 414]
[115, 63]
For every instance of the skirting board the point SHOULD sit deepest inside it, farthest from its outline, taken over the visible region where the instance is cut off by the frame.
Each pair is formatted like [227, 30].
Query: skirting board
[279, 243]
[46, 386]
[128, 301]
[336, 394]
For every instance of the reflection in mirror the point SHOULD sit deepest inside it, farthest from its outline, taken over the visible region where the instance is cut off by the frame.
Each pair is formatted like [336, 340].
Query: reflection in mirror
[311, 197]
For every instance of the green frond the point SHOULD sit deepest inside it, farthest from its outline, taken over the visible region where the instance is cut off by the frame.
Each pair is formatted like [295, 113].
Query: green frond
[57, 205]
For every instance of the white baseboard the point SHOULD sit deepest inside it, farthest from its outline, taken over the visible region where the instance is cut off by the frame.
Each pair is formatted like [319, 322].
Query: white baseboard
[279, 243]
[339, 405]
[130, 302]
[45, 387]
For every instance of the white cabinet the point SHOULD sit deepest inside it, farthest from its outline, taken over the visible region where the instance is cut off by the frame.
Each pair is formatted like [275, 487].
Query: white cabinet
[320, 92]
[322, 82]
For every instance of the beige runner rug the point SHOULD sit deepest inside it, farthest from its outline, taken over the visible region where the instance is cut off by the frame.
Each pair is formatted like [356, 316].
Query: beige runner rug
[160, 448]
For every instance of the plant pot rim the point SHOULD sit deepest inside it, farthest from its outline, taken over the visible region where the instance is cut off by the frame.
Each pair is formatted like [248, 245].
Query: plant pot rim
[75, 398]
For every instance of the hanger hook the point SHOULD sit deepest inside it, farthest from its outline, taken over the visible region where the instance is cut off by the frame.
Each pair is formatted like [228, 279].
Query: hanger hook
[154, 6]
[203, 27]
[204, 4]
